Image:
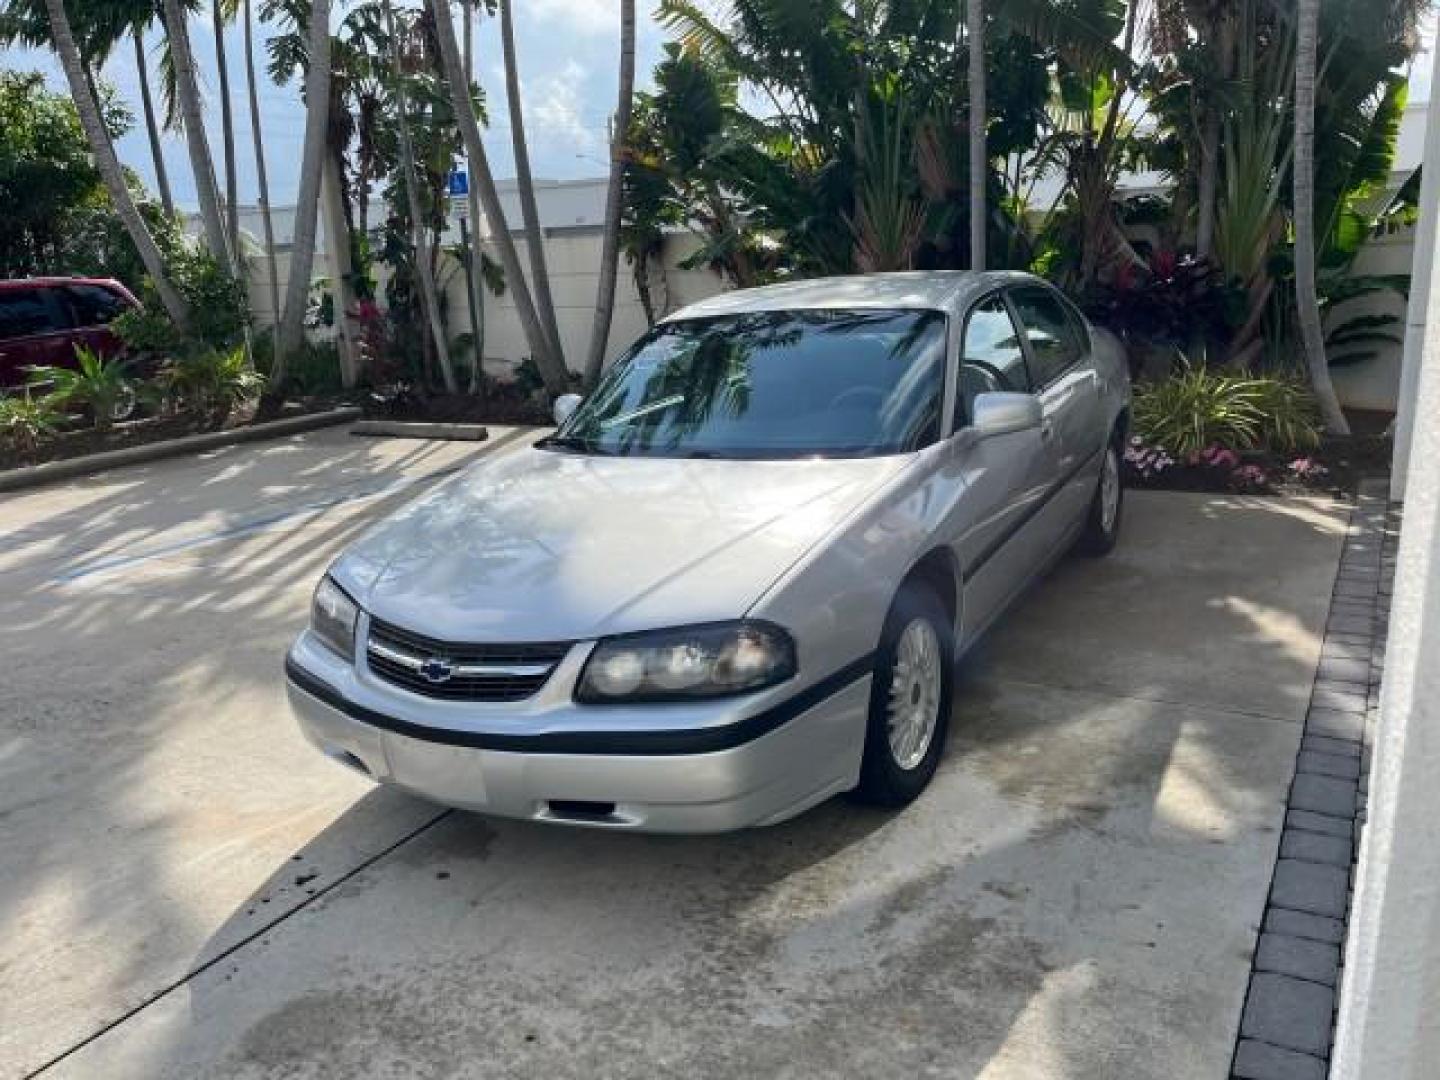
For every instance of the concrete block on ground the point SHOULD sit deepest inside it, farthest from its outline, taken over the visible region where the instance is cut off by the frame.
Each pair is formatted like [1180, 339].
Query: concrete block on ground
[1341, 766]
[1289, 1013]
[1302, 924]
[1313, 887]
[1298, 957]
[1323, 795]
[1261, 1061]
[1316, 847]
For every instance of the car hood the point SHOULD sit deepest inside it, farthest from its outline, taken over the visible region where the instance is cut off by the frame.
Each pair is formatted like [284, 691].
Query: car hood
[542, 546]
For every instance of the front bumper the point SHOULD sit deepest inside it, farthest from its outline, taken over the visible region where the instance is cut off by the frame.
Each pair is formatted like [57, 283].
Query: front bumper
[608, 778]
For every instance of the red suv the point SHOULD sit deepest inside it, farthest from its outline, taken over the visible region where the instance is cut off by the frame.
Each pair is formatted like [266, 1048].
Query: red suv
[43, 319]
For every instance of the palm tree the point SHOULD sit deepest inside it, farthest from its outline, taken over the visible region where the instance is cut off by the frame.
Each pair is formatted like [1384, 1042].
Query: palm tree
[218, 17]
[552, 370]
[108, 164]
[307, 203]
[610, 248]
[534, 239]
[1306, 296]
[187, 94]
[424, 270]
[152, 124]
[262, 180]
[979, 157]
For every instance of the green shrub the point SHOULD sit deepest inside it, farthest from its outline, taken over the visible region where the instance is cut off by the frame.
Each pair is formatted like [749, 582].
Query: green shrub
[102, 386]
[1197, 408]
[219, 311]
[314, 368]
[25, 420]
[209, 383]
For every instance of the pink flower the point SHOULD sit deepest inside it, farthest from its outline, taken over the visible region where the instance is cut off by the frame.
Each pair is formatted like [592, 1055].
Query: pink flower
[1248, 476]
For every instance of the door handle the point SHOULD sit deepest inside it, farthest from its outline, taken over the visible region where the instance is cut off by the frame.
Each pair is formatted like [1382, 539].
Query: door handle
[1047, 429]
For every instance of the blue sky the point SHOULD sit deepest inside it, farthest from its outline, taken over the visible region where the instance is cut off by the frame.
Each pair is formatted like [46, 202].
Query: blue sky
[568, 56]
[568, 53]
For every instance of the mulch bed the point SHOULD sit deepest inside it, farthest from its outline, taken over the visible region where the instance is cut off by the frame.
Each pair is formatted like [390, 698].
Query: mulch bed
[150, 429]
[497, 404]
[1343, 463]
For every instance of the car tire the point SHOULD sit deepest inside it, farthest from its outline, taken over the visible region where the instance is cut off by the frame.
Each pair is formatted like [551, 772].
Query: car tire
[1102, 521]
[910, 696]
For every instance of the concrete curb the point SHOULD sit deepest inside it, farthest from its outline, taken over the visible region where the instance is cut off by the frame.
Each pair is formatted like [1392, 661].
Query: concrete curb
[35, 475]
[406, 430]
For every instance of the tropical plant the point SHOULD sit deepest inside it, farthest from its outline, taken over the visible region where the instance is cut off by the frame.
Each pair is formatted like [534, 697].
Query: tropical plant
[422, 252]
[152, 123]
[1177, 301]
[610, 243]
[209, 383]
[978, 122]
[26, 420]
[257, 140]
[106, 162]
[556, 377]
[315, 62]
[99, 384]
[524, 182]
[218, 302]
[1198, 408]
[187, 96]
[1307, 297]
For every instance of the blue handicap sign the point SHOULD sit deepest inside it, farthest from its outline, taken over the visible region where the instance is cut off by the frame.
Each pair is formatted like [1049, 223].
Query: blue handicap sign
[459, 182]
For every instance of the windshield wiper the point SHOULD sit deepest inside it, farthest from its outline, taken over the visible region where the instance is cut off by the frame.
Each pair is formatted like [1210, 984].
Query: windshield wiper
[568, 442]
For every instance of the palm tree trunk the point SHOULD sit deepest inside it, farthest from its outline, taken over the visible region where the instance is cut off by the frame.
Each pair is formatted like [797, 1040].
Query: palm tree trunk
[552, 370]
[1209, 185]
[610, 248]
[108, 164]
[424, 268]
[534, 239]
[227, 128]
[152, 125]
[187, 93]
[468, 39]
[307, 203]
[474, 279]
[267, 225]
[1306, 296]
[979, 146]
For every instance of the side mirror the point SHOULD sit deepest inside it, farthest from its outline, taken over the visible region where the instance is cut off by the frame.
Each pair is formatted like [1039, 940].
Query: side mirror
[1002, 413]
[564, 405]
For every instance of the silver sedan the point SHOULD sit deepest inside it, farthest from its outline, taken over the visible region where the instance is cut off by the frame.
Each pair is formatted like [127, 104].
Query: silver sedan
[737, 579]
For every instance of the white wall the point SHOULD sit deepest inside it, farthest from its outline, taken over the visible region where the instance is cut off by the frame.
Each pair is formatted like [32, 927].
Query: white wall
[574, 260]
[1375, 384]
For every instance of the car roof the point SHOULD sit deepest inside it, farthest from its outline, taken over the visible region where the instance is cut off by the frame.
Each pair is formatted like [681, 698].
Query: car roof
[921, 290]
[51, 282]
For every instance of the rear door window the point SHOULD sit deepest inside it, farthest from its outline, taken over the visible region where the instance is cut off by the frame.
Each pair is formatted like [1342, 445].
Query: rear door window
[95, 305]
[1054, 347]
[26, 312]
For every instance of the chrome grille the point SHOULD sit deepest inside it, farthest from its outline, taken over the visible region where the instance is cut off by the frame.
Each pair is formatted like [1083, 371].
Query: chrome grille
[459, 672]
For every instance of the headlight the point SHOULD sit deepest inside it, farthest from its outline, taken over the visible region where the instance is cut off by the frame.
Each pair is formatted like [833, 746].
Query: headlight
[332, 618]
[692, 662]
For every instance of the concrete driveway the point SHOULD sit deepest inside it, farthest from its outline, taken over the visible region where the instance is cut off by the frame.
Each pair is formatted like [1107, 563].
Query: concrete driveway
[187, 889]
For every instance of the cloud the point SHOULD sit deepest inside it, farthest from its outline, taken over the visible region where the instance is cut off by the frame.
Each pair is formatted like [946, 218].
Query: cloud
[584, 16]
[553, 109]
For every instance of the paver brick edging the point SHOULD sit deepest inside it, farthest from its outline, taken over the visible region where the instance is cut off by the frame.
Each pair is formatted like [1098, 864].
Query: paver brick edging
[1287, 1024]
[28, 476]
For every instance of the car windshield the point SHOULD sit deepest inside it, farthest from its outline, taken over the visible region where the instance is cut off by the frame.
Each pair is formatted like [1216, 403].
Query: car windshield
[768, 385]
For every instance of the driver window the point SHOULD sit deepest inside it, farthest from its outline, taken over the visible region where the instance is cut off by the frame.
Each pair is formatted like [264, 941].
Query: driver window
[991, 356]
